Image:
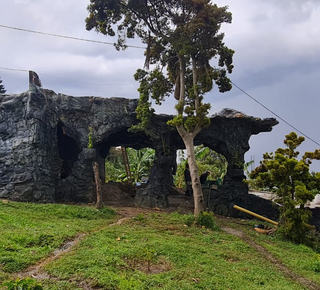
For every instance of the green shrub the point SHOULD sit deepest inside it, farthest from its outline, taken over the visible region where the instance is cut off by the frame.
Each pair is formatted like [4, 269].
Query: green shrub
[140, 217]
[23, 284]
[316, 266]
[206, 219]
[189, 220]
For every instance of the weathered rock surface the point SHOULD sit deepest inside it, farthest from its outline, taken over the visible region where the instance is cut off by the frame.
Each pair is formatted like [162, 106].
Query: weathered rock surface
[44, 153]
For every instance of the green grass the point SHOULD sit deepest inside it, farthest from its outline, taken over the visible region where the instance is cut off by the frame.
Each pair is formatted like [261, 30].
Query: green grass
[154, 251]
[301, 259]
[181, 258]
[30, 231]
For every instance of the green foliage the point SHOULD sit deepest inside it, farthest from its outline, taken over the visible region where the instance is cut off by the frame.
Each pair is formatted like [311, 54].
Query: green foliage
[144, 257]
[207, 160]
[23, 284]
[114, 166]
[90, 142]
[140, 217]
[294, 223]
[140, 162]
[316, 265]
[189, 220]
[293, 183]
[206, 219]
[2, 88]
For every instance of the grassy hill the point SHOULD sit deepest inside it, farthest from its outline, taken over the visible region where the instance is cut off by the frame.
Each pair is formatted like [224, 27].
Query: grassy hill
[79, 247]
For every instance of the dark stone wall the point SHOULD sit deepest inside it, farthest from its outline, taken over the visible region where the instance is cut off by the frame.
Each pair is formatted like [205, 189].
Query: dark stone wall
[44, 153]
[44, 140]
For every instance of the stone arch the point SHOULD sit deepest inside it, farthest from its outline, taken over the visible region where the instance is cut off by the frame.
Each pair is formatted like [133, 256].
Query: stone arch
[56, 131]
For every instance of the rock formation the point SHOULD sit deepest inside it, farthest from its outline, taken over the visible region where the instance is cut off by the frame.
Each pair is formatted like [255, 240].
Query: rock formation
[44, 153]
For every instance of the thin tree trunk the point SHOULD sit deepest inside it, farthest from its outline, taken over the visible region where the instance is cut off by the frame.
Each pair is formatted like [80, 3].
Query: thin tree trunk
[182, 85]
[188, 138]
[98, 184]
[195, 82]
[196, 185]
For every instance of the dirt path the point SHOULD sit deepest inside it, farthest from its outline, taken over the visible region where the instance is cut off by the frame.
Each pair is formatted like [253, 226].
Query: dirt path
[306, 283]
[37, 271]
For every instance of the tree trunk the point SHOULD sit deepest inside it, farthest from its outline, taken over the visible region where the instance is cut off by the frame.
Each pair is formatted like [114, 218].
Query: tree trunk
[196, 185]
[188, 138]
[98, 184]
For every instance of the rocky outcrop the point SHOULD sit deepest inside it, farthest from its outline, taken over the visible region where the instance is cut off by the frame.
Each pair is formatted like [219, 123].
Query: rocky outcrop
[44, 138]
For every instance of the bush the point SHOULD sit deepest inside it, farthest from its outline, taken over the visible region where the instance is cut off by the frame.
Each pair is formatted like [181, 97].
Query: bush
[206, 219]
[189, 220]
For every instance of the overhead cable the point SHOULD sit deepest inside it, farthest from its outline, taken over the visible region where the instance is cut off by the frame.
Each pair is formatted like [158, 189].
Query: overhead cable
[13, 69]
[283, 120]
[71, 79]
[65, 36]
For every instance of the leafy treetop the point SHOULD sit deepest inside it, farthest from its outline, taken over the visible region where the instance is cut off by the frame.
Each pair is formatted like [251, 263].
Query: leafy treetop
[287, 174]
[181, 36]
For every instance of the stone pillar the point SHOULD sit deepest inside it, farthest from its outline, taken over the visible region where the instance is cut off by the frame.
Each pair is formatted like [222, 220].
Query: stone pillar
[160, 181]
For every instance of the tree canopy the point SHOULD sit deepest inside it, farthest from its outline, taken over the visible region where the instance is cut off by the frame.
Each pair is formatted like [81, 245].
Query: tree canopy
[181, 36]
[185, 55]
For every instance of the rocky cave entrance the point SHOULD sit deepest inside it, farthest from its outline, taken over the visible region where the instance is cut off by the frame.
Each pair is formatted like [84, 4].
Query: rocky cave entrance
[110, 148]
[161, 180]
[112, 169]
[68, 151]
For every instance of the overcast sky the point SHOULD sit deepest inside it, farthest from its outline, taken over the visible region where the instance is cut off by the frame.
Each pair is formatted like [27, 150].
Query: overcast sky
[277, 61]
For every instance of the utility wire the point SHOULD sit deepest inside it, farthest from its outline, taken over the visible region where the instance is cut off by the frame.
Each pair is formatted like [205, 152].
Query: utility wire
[65, 36]
[70, 79]
[13, 69]
[283, 120]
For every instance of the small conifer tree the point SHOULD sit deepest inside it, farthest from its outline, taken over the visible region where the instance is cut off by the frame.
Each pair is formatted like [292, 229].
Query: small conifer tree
[2, 88]
[294, 184]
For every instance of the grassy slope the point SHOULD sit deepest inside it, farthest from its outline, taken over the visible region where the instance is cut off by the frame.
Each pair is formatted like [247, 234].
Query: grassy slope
[30, 232]
[154, 251]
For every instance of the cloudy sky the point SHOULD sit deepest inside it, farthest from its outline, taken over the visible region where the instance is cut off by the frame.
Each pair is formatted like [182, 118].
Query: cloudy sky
[277, 61]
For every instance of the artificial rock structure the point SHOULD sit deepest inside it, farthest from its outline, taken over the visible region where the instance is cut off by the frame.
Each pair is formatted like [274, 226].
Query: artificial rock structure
[44, 153]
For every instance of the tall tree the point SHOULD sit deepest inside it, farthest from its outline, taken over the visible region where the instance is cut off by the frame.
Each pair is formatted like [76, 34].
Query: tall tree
[2, 88]
[182, 38]
[293, 183]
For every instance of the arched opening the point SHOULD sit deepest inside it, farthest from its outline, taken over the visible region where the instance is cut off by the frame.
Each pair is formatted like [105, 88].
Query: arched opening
[140, 163]
[112, 165]
[68, 151]
[208, 160]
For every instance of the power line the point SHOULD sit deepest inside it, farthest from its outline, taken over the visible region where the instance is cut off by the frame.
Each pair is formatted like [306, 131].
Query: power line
[65, 36]
[13, 69]
[283, 120]
[63, 78]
